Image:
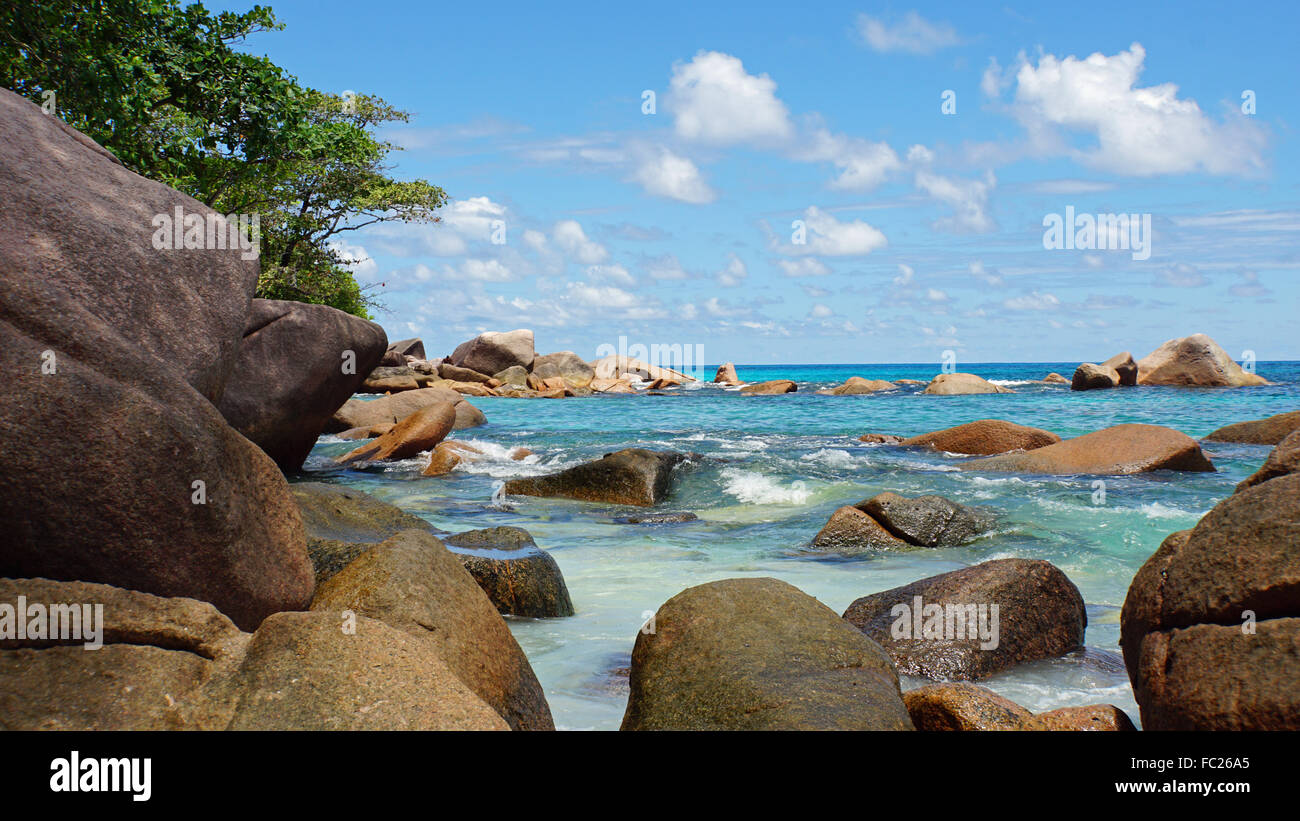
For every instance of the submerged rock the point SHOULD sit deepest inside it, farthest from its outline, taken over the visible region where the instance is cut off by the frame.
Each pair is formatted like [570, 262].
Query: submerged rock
[943, 627]
[446, 456]
[758, 654]
[880, 439]
[634, 476]
[1210, 622]
[519, 577]
[290, 378]
[856, 385]
[1194, 361]
[412, 582]
[953, 384]
[772, 388]
[1268, 431]
[659, 518]
[1120, 450]
[983, 437]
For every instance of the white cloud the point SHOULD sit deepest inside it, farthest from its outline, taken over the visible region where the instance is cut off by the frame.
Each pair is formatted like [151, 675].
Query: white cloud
[666, 267]
[713, 99]
[863, 164]
[1032, 302]
[968, 198]
[1181, 275]
[735, 272]
[1139, 131]
[806, 267]
[358, 261]
[615, 274]
[602, 296]
[990, 278]
[911, 35]
[665, 174]
[820, 311]
[572, 240]
[905, 275]
[827, 236]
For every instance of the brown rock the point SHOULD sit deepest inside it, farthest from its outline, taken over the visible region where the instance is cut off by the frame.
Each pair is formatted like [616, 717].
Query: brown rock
[370, 432]
[727, 375]
[1055, 378]
[114, 353]
[567, 365]
[603, 385]
[304, 671]
[494, 352]
[290, 376]
[634, 476]
[1123, 449]
[1089, 377]
[880, 439]
[1269, 431]
[1095, 717]
[1211, 625]
[390, 379]
[413, 583]
[953, 384]
[927, 521]
[1284, 460]
[342, 523]
[519, 577]
[1040, 615]
[854, 529]
[772, 388]
[446, 456]
[758, 654]
[960, 706]
[452, 373]
[984, 437]
[362, 413]
[1124, 367]
[856, 385]
[1194, 360]
[419, 432]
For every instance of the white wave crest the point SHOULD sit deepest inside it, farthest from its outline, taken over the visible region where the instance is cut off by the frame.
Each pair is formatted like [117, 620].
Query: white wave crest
[753, 488]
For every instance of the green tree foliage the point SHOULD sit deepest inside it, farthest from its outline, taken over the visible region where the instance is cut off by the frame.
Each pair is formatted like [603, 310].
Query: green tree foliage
[163, 87]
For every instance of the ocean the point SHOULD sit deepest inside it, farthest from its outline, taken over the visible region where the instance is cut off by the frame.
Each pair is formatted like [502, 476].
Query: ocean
[780, 465]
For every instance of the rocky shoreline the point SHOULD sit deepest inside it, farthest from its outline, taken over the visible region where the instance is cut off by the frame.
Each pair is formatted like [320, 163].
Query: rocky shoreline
[157, 410]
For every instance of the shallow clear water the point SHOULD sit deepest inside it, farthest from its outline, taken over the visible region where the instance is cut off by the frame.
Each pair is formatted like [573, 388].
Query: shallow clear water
[781, 465]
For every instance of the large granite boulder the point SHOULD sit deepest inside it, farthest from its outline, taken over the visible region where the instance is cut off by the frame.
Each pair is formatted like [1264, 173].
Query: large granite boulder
[945, 626]
[1091, 377]
[450, 372]
[118, 468]
[412, 582]
[758, 654]
[956, 384]
[1194, 361]
[1124, 367]
[1268, 431]
[366, 413]
[412, 348]
[1123, 449]
[984, 437]
[390, 380]
[343, 522]
[1211, 623]
[335, 671]
[565, 364]
[619, 367]
[1283, 460]
[297, 365]
[493, 351]
[519, 577]
[856, 385]
[634, 476]
[893, 522]
[177, 664]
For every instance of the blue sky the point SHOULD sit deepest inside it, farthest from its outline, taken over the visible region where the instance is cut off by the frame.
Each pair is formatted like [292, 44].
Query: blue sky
[922, 230]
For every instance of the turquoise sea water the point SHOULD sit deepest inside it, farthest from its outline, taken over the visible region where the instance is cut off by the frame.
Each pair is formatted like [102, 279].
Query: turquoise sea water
[781, 465]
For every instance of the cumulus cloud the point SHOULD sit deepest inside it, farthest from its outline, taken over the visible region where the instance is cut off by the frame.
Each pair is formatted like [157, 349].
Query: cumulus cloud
[1032, 302]
[913, 34]
[969, 200]
[713, 99]
[734, 273]
[820, 311]
[805, 267]
[1139, 131]
[1181, 275]
[826, 236]
[572, 240]
[356, 259]
[863, 164]
[666, 174]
